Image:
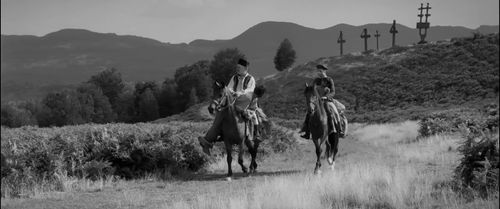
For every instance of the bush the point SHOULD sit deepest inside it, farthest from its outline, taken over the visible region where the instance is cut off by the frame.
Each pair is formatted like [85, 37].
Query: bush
[433, 125]
[479, 167]
[478, 170]
[279, 142]
[97, 150]
[97, 169]
[32, 156]
[448, 121]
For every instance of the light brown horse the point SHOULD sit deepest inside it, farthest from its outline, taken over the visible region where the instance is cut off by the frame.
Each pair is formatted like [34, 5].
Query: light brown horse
[231, 128]
[318, 125]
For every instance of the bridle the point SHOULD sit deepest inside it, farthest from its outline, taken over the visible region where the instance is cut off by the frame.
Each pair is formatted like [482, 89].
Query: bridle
[224, 101]
[312, 99]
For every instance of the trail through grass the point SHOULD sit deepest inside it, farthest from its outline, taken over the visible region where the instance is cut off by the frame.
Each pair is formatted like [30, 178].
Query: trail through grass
[378, 166]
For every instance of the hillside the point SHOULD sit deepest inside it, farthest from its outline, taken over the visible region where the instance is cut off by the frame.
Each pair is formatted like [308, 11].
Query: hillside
[399, 83]
[34, 65]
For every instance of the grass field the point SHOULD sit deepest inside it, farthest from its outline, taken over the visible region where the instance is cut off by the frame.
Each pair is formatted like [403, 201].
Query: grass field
[378, 166]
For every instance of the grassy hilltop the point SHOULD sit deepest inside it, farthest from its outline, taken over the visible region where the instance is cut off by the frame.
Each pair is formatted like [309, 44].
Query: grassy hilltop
[397, 83]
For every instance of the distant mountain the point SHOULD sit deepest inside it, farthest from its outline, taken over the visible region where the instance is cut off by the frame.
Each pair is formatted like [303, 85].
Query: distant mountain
[30, 65]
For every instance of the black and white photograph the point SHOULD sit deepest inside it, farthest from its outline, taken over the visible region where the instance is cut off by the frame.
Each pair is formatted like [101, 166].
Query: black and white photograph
[263, 104]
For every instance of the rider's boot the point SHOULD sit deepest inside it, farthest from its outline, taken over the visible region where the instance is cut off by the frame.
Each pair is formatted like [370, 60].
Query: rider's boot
[307, 133]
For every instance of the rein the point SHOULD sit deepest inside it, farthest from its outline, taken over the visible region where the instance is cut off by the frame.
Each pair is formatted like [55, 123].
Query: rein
[225, 98]
[316, 102]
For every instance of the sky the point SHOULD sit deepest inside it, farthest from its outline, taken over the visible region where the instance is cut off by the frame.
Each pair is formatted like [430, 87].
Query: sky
[177, 21]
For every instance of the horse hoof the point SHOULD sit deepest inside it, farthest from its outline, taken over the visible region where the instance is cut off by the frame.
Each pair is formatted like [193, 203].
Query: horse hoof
[317, 172]
[332, 166]
[228, 179]
[330, 160]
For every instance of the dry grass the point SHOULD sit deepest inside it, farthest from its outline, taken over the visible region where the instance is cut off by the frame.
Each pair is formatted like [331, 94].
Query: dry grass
[387, 134]
[383, 167]
[407, 174]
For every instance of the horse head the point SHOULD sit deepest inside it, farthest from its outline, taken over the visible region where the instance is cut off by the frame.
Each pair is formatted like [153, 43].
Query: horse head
[311, 97]
[217, 97]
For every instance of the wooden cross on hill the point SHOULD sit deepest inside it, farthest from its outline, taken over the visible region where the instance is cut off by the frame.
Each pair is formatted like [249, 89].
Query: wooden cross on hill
[423, 25]
[376, 36]
[341, 41]
[365, 36]
[393, 31]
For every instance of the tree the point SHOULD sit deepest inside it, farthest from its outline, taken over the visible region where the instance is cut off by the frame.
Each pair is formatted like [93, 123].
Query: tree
[193, 76]
[168, 100]
[95, 107]
[285, 56]
[62, 108]
[12, 115]
[224, 65]
[147, 106]
[125, 107]
[193, 99]
[141, 87]
[111, 84]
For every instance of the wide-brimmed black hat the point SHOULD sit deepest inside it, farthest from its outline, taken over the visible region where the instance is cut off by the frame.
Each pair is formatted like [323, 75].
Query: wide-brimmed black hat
[243, 62]
[322, 67]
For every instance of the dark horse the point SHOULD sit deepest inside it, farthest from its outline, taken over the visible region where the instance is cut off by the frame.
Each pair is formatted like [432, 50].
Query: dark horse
[231, 128]
[319, 127]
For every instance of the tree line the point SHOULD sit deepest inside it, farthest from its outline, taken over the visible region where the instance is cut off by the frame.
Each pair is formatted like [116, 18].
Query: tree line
[106, 98]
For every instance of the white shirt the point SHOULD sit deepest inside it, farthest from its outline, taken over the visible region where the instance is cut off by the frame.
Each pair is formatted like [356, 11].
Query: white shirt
[239, 87]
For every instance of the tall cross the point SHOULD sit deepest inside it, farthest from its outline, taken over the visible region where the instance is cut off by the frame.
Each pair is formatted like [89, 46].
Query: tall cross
[341, 41]
[423, 25]
[376, 36]
[393, 31]
[365, 36]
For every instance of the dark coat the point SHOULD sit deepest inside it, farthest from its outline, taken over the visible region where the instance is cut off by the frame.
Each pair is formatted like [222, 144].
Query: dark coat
[326, 82]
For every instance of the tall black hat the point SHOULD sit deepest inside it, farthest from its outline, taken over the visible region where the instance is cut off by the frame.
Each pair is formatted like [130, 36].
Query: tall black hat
[243, 62]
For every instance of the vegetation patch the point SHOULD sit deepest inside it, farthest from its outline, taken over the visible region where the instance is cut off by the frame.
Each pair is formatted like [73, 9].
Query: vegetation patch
[33, 156]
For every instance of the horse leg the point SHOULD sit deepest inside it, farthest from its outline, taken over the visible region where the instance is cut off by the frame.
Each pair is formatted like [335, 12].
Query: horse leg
[328, 152]
[334, 142]
[318, 156]
[253, 152]
[229, 161]
[240, 158]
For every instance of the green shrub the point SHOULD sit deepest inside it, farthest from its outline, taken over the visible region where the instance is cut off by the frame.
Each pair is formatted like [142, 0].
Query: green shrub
[96, 150]
[433, 125]
[96, 169]
[448, 121]
[32, 156]
[478, 170]
[479, 167]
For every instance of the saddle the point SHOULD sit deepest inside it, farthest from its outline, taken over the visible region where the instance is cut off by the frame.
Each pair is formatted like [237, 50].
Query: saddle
[335, 110]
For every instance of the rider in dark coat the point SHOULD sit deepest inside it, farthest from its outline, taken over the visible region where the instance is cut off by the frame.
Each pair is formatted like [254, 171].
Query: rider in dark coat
[327, 90]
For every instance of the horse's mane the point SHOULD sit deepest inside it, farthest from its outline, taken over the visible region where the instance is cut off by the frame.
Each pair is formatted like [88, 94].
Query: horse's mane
[312, 90]
[309, 89]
